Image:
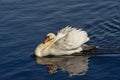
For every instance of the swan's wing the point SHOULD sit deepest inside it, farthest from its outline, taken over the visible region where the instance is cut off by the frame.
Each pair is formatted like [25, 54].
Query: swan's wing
[71, 38]
[63, 32]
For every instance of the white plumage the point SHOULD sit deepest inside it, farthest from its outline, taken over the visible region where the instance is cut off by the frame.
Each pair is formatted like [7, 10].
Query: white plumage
[72, 38]
[67, 41]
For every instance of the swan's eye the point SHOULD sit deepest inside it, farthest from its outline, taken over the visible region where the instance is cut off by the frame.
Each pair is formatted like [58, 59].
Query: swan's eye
[48, 37]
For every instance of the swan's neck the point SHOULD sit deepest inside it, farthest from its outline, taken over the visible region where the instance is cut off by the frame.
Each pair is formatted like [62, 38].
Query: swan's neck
[42, 47]
[49, 44]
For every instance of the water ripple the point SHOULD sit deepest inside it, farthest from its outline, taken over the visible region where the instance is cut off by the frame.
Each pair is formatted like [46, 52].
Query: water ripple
[24, 24]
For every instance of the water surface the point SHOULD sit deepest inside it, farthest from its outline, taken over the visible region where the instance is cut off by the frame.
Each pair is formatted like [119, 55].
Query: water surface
[24, 24]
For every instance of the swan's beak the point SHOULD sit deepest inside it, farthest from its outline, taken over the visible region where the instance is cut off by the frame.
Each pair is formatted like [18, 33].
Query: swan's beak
[46, 40]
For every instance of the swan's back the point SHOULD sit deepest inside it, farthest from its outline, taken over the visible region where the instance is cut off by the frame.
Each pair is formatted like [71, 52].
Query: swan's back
[71, 38]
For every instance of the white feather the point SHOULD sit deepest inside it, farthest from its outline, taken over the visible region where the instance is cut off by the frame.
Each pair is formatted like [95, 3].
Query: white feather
[72, 38]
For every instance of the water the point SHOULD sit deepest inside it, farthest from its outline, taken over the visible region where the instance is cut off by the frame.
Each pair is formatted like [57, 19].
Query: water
[24, 24]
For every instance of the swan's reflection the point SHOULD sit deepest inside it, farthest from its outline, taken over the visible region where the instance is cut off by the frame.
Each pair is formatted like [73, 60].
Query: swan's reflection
[74, 65]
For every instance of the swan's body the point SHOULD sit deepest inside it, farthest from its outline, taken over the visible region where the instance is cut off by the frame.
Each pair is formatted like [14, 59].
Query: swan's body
[68, 41]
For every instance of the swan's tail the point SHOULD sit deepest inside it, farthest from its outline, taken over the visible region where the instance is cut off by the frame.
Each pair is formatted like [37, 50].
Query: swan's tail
[89, 47]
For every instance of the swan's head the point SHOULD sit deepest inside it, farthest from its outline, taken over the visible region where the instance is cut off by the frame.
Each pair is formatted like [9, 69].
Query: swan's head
[40, 51]
[50, 37]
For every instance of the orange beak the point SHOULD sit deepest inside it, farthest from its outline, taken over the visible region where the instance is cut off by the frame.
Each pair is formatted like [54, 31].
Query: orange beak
[46, 40]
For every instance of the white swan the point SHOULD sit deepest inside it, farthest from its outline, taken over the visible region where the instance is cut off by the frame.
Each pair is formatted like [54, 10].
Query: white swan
[68, 41]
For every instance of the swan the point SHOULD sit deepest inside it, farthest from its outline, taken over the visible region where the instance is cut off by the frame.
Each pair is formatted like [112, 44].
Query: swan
[68, 41]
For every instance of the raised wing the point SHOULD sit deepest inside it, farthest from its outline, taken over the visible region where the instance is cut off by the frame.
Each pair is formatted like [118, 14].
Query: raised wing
[71, 38]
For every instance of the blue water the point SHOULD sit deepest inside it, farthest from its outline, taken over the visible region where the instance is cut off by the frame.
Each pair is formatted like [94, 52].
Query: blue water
[24, 24]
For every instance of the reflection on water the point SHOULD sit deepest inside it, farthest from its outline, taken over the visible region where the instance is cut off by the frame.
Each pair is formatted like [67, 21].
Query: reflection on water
[74, 65]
